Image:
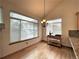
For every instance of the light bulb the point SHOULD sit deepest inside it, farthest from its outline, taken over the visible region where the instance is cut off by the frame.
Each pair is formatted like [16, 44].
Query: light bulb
[41, 21]
[44, 20]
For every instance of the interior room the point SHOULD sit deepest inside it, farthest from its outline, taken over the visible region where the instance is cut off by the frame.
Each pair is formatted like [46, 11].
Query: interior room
[39, 29]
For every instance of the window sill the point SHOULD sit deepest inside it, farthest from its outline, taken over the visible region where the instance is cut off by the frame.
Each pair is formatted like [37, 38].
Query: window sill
[22, 41]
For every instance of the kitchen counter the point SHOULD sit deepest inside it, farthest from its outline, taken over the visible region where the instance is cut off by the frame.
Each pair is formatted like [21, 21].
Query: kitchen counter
[75, 45]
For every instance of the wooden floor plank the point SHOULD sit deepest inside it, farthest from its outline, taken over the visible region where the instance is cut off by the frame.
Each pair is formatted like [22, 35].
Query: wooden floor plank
[43, 51]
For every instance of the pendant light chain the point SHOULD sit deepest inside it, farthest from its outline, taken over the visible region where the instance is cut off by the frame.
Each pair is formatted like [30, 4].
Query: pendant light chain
[44, 17]
[44, 8]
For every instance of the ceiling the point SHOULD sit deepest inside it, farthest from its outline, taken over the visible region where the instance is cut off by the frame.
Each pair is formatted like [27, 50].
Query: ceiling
[35, 8]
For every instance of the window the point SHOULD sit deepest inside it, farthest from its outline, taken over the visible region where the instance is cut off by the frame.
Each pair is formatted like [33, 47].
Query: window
[1, 20]
[54, 27]
[14, 30]
[22, 27]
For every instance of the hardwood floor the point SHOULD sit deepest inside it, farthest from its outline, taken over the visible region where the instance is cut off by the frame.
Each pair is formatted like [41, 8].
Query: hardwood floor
[43, 51]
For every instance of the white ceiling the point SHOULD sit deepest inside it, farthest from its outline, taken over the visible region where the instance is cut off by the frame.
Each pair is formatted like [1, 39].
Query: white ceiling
[35, 7]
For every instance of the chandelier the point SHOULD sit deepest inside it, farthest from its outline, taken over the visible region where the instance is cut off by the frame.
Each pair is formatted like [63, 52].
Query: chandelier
[43, 21]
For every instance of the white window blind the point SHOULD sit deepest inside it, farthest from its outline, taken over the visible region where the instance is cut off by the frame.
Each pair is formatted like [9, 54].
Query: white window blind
[54, 27]
[14, 30]
[22, 27]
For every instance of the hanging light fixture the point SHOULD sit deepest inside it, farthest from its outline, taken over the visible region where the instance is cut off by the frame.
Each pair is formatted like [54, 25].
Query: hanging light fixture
[43, 22]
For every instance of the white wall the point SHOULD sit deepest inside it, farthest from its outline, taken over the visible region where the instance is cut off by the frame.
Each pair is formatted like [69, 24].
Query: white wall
[6, 48]
[67, 11]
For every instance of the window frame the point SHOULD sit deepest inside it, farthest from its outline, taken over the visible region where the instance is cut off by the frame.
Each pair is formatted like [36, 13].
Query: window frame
[20, 27]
